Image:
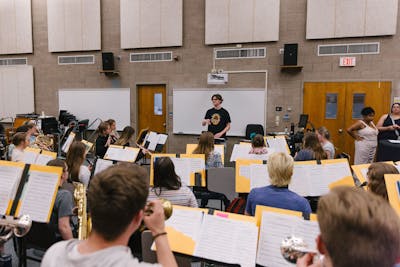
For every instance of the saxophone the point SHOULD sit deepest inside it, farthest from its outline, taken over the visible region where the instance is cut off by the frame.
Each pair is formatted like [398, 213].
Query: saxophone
[85, 223]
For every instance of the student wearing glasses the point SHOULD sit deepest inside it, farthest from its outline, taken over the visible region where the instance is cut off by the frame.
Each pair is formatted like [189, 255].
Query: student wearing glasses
[217, 118]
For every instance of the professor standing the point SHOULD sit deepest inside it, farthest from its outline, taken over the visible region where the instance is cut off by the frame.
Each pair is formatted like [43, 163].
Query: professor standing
[217, 118]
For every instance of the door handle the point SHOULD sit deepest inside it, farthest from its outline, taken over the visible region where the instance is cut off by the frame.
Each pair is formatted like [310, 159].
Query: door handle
[164, 124]
[340, 130]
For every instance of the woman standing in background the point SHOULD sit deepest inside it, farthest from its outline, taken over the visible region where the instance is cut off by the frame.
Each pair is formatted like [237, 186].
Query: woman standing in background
[365, 136]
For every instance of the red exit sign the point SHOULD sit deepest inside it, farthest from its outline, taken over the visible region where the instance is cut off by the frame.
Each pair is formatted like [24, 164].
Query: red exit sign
[347, 61]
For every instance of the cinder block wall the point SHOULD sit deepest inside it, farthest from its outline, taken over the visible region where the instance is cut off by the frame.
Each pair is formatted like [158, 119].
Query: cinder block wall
[195, 61]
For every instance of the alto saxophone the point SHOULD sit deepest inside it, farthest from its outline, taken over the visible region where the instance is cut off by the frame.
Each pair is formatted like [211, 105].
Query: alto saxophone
[85, 224]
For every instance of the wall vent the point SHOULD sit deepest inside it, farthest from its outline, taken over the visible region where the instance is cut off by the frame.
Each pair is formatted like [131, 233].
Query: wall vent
[82, 59]
[238, 53]
[13, 61]
[348, 49]
[150, 57]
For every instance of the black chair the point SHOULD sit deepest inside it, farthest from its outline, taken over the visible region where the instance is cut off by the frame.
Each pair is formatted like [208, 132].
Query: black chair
[253, 129]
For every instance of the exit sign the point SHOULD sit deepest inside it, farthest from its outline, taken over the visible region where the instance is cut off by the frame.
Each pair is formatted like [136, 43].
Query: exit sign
[347, 61]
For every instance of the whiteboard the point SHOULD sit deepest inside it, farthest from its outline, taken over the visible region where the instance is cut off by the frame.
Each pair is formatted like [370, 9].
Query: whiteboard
[245, 106]
[93, 103]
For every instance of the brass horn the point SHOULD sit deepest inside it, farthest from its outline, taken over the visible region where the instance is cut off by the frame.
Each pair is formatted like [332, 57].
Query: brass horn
[293, 247]
[10, 226]
[167, 206]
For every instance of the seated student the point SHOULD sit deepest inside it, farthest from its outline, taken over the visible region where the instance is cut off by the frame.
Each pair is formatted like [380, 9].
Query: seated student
[277, 195]
[323, 137]
[113, 133]
[357, 229]
[103, 141]
[75, 158]
[206, 147]
[168, 185]
[116, 200]
[376, 179]
[126, 136]
[63, 205]
[258, 145]
[312, 149]
[20, 142]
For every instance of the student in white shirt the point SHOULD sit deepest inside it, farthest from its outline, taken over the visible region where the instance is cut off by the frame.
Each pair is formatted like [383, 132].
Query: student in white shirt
[75, 158]
[20, 141]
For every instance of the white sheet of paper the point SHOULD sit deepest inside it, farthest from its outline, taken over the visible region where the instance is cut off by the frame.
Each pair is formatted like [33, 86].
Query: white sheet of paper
[9, 181]
[394, 141]
[244, 171]
[153, 139]
[68, 142]
[38, 194]
[30, 157]
[121, 154]
[364, 173]
[278, 143]
[43, 159]
[219, 149]
[162, 139]
[274, 228]
[259, 176]
[240, 151]
[187, 222]
[300, 182]
[182, 169]
[197, 164]
[101, 165]
[229, 241]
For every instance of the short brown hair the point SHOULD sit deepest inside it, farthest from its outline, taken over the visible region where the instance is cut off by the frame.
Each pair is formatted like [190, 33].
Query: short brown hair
[376, 180]
[18, 138]
[280, 168]
[115, 196]
[258, 141]
[358, 228]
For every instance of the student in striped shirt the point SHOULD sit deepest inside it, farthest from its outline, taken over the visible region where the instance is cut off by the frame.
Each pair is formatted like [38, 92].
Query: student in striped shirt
[168, 185]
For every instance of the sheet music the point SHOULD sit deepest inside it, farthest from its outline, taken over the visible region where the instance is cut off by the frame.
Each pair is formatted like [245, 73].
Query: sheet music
[187, 222]
[162, 139]
[300, 182]
[10, 177]
[101, 165]
[182, 169]
[319, 179]
[308, 230]
[244, 171]
[38, 195]
[30, 157]
[259, 176]
[197, 164]
[121, 154]
[152, 138]
[43, 159]
[229, 241]
[274, 228]
[68, 142]
[240, 151]
[279, 144]
[219, 149]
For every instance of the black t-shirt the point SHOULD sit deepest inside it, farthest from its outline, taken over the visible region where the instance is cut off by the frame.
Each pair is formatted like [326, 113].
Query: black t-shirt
[385, 135]
[101, 148]
[219, 118]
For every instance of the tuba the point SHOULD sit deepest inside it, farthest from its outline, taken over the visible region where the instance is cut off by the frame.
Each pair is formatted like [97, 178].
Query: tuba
[10, 226]
[85, 223]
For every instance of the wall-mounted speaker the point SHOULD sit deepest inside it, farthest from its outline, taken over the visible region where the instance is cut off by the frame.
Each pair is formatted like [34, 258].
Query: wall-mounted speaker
[108, 60]
[290, 54]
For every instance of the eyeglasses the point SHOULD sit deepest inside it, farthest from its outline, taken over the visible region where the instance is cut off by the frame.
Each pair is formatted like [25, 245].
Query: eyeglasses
[214, 99]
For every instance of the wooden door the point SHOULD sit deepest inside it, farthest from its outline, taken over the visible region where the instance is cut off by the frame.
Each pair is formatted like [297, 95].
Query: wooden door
[337, 105]
[152, 108]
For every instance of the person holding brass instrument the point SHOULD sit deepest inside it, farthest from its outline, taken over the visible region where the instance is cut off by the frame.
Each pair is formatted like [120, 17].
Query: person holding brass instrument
[63, 205]
[168, 185]
[357, 229]
[116, 199]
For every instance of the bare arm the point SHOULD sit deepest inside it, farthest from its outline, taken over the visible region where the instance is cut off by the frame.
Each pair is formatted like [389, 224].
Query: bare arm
[205, 122]
[351, 130]
[225, 130]
[382, 128]
[65, 228]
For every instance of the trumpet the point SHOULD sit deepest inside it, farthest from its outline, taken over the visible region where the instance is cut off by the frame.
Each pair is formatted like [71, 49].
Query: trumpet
[148, 210]
[293, 247]
[10, 226]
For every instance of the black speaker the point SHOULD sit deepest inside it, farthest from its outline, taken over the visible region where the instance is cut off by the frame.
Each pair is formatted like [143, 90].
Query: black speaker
[108, 60]
[290, 55]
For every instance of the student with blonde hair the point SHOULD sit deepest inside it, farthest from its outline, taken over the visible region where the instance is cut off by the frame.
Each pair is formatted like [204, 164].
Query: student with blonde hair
[357, 229]
[277, 195]
[206, 147]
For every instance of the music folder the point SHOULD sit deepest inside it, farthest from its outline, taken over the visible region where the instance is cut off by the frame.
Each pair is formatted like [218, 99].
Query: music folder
[38, 156]
[28, 189]
[122, 153]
